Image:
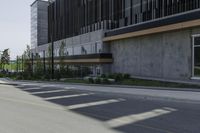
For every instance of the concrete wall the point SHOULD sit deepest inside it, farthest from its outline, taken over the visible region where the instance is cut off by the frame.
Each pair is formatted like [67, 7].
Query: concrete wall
[89, 41]
[165, 55]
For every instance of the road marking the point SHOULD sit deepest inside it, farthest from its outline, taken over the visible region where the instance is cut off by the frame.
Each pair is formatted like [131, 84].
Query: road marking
[68, 96]
[28, 84]
[69, 87]
[42, 87]
[94, 103]
[131, 119]
[3, 82]
[35, 88]
[48, 85]
[46, 92]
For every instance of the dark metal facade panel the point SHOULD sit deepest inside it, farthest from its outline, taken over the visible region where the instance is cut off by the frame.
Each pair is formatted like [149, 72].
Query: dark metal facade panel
[157, 23]
[89, 56]
[69, 18]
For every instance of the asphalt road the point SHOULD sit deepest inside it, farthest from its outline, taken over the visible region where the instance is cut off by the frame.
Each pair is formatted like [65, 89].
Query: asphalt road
[32, 108]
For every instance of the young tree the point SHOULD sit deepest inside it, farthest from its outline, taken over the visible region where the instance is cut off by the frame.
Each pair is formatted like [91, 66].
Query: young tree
[5, 58]
[27, 62]
[62, 57]
[49, 55]
[38, 67]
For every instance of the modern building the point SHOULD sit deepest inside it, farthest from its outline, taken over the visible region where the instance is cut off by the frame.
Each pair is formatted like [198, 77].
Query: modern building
[39, 23]
[145, 38]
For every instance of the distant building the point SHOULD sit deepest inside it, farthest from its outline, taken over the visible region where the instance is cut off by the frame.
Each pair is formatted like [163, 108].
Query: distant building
[39, 23]
[145, 38]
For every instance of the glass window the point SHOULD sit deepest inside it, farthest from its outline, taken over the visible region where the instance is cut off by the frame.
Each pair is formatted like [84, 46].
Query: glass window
[69, 51]
[99, 47]
[197, 41]
[196, 59]
[98, 70]
[77, 50]
[197, 56]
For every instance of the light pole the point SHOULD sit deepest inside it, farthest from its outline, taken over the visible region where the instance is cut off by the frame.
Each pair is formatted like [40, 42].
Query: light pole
[17, 65]
[32, 63]
[0, 59]
[52, 57]
[52, 43]
[44, 62]
[22, 63]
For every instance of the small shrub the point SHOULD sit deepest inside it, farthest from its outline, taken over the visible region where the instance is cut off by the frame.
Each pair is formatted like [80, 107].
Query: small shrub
[105, 81]
[111, 76]
[19, 77]
[43, 77]
[47, 76]
[97, 81]
[57, 74]
[1, 75]
[103, 76]
[126, 76]
[91, 80]
[26, 75]
[118, 77]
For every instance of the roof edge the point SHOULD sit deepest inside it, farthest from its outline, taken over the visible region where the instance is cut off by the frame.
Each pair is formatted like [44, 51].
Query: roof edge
[40, 1]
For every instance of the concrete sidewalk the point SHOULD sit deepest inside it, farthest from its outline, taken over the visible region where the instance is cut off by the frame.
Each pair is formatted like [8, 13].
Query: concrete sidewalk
[184, 95]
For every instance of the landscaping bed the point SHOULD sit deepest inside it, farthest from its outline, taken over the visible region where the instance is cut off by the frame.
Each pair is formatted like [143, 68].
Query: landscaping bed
[125, 79]
[111, 79]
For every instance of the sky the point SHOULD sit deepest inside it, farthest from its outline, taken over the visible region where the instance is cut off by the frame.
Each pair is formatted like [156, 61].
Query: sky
[15, 25]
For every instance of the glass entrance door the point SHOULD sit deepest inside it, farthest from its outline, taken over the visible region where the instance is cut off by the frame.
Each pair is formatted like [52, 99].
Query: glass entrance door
[196, 56]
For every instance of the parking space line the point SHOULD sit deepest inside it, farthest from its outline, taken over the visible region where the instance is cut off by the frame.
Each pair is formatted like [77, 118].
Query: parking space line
[94, 103]
[35, 88]
[46, 92]
[68, 96]
[131, 119]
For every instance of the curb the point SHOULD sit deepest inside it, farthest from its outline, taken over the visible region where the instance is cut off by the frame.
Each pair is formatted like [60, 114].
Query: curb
[147, 97]
[113, 86]
[9, 84]
[160, 98]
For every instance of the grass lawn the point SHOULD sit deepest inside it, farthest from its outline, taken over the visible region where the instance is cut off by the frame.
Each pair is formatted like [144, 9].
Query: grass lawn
[152, 83]
[11, 66]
